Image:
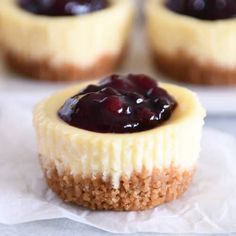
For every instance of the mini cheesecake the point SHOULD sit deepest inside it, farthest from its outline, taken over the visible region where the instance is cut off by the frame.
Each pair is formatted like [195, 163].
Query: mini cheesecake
[57, 45]
[122, 144]
[194, 42]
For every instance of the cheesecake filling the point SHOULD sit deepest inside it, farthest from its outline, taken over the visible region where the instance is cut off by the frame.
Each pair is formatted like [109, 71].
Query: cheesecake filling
[204, 9]
[119, 104]
[62, 7]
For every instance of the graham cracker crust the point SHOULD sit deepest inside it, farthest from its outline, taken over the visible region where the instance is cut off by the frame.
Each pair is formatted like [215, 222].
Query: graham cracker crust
[184, 68]
[43, 70]
[139, 192]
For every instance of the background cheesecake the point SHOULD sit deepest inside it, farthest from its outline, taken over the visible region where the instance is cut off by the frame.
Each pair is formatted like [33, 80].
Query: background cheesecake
[54, 43]
[194, 41]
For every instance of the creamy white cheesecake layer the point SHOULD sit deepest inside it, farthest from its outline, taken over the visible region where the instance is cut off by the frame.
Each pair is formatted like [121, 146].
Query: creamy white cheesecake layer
[75, 40]
[176, 143]
[206, 41]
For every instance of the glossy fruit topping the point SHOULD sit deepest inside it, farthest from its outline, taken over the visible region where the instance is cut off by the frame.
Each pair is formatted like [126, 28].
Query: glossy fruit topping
[62, 7]
[204, 9]
[119, 104]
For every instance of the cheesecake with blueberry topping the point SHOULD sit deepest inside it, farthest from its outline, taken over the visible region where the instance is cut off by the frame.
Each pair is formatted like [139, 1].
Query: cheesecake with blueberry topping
[124, 143]
[64, 39]
[194, 40]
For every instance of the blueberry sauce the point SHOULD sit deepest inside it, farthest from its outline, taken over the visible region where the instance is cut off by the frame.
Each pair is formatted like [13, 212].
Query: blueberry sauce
[62, 7]
[119, 104]
[204, 9]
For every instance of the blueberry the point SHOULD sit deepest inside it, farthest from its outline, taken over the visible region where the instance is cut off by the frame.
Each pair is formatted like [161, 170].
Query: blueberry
[113, 104]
